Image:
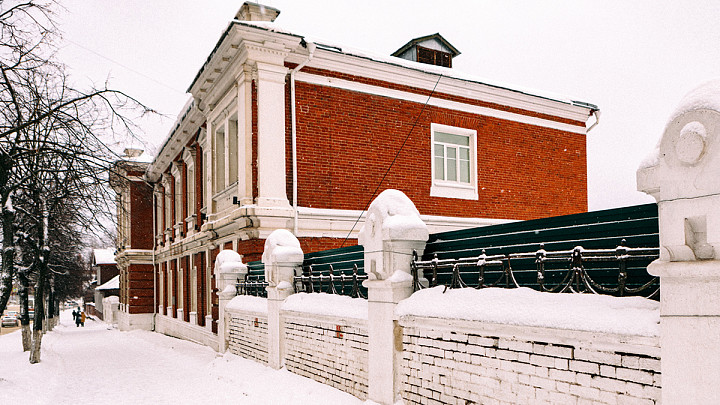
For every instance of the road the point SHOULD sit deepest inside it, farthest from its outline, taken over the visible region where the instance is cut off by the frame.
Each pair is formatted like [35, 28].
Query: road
[98, 364]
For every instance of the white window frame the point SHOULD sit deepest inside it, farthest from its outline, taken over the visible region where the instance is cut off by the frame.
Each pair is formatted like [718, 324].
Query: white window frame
[454, 189]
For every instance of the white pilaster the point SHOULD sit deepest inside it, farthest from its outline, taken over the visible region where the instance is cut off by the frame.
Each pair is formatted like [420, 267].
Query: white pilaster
[228, 269]
[282, 257]
[683, 178]
[271, 135]
[392, 231]
[245, 154]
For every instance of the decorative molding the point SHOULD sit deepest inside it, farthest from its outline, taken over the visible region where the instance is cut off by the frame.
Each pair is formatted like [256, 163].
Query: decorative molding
[422, 99]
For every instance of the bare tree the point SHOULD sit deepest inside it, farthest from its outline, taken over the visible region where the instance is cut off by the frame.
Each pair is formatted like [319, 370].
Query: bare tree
[53, 162]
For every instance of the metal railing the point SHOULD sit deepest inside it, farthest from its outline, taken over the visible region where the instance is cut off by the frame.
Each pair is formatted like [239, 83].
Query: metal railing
[569, 268]
[252, 284]
[327, 281]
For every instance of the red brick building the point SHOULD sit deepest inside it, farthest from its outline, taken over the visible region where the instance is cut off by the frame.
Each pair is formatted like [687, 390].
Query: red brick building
[283, 132]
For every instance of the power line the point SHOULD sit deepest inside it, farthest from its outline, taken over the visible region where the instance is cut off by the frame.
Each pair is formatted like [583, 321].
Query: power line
[126, 67]
[393, 161]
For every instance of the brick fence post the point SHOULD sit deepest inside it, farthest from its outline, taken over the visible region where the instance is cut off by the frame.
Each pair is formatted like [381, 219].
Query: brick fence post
[282, 258]
[392, 230]
[684, 178]
[228, 269]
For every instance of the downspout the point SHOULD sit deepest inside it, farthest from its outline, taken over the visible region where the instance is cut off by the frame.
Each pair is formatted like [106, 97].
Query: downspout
[596, 113]
[155, 269]
[293, 130]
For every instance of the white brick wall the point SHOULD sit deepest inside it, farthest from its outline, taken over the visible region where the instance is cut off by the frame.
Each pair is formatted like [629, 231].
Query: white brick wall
[315, 349]
[459, 362]
[247, 335]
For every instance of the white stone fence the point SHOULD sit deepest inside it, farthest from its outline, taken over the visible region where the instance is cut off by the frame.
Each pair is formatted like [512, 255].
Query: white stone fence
[372, 350]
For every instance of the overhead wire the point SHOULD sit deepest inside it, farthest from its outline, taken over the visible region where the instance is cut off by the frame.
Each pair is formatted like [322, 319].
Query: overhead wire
[393, 161]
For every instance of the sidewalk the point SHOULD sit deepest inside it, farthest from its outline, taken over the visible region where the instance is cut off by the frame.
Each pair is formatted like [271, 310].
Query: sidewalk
[99, 364]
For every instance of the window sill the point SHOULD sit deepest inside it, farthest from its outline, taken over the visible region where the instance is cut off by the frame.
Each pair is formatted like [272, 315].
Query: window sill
[453, 191]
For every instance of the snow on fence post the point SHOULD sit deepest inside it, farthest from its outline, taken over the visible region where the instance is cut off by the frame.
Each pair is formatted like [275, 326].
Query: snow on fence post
[392, 230]
[282, 257]
[684, 177]
[228, 269]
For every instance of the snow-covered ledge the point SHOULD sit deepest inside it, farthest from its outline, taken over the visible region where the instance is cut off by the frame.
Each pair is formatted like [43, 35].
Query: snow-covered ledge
[682, 175]
[228, 269]
[392, 230]
[282, 258]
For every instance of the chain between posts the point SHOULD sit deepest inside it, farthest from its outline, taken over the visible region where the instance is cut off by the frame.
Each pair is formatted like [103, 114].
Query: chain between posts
[577, 277]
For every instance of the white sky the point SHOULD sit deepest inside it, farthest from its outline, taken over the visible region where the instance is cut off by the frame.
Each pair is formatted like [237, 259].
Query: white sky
[634, 59]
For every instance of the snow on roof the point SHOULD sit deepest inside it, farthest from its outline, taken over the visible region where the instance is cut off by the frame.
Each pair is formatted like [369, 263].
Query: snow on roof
[112, 284]
[104, 256]
[432, 69]
[527, 307]
[143, 158]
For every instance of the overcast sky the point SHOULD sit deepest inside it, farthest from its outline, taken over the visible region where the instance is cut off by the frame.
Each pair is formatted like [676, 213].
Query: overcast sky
[634, 59]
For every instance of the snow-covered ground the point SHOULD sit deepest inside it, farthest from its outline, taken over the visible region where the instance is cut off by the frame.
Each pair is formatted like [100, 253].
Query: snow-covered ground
[101, 365]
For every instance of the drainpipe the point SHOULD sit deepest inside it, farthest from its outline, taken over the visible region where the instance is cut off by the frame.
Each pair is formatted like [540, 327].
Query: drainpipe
[311, 49]
[155, 270]
[596, 113]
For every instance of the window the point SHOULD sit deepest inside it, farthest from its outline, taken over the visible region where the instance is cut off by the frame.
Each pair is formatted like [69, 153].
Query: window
[219, 174]
[454, 162]
[433, 57]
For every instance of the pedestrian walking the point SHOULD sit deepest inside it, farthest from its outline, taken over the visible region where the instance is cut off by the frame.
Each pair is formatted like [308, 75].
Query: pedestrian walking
[77, 317]
[82, 318]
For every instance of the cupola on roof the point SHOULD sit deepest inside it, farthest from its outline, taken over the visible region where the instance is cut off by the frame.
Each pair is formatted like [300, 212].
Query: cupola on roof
[431, 49]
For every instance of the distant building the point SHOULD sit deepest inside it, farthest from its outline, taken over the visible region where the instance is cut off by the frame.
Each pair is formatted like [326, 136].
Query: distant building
[284, 132]
[106, 274]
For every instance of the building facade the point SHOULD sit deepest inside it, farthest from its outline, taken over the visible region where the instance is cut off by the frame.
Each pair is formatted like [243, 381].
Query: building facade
[285, 133]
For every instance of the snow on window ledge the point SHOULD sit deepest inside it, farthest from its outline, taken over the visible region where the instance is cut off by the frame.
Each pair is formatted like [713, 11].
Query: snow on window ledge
[453, 191]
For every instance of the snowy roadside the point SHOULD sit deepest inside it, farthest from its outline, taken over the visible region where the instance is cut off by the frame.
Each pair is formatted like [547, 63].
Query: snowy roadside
[98, 364]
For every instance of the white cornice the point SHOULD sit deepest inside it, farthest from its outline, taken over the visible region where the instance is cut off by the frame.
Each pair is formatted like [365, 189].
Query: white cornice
[438, 102]
[175, 143]
[364, 67]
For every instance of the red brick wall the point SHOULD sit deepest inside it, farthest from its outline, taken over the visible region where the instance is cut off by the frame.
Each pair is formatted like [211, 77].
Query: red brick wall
[173, 296]
[199, 262]
[163, 268]
[141, 215]
[346, 141]
[215, 310]
[252, 249]
[140, 288]
[185, 263]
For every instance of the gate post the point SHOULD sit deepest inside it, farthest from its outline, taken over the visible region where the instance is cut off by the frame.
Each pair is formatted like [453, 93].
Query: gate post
[228, 269]
[392, 230]
[684, 178]
[282, 257]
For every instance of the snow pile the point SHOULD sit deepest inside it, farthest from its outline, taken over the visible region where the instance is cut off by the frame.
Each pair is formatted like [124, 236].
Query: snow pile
[248, 303]
[101, 365]
[704, 97]
[282, 246]
[527, 307]
[327, 304]
[399, 219]
[229, 261]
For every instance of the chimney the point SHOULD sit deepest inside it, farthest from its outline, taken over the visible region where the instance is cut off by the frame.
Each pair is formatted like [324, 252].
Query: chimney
[132, 153]
[251, 11]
